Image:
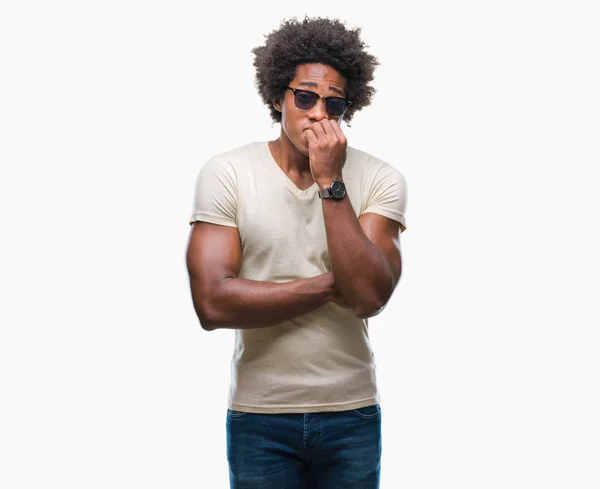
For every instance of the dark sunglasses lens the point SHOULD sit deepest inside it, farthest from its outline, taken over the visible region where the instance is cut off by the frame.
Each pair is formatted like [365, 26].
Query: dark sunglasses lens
[335, 106]
[305, 100]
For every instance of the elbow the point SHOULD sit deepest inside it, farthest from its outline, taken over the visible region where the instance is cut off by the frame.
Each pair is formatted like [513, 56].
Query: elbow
[372, 299]
[207, 325]
[208, 305]
[368, 310]
[207, 317]
[366, 313]
[372, 304]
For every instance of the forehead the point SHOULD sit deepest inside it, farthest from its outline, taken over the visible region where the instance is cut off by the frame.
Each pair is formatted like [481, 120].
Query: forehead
[325, 77]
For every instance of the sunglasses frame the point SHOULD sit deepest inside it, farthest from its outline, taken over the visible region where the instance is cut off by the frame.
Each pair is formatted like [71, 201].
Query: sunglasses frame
[294, 90]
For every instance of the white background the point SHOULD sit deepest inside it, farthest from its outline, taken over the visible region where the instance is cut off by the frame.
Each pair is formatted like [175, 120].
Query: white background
[488, 353]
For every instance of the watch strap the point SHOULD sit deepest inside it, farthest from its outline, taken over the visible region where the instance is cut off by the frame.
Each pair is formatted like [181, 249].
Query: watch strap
[325, 193]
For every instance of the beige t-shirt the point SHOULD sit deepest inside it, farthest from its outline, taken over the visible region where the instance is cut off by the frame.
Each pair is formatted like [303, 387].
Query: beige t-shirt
[321, 361]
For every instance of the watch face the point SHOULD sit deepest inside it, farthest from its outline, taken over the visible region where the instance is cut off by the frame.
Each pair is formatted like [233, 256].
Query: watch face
[338, 190]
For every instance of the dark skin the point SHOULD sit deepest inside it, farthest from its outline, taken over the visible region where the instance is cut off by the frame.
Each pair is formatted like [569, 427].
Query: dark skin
[364, 252]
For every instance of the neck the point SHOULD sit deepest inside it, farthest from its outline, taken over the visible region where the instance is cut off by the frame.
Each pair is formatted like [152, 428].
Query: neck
[294, 163]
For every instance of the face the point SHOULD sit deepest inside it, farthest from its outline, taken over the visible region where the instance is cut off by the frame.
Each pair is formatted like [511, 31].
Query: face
[317, 78]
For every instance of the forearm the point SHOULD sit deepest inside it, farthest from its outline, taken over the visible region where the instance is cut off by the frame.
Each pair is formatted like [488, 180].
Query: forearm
[238, 303]
[361, 271]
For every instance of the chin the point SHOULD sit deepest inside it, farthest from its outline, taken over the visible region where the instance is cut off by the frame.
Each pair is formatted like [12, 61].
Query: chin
[298, 141]
[303, 148]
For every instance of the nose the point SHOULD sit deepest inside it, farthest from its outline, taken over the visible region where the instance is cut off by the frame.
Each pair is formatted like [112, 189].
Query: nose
[318, 112]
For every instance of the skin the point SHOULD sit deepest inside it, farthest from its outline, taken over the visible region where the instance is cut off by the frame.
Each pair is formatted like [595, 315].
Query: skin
[364, 252]
[292, 150]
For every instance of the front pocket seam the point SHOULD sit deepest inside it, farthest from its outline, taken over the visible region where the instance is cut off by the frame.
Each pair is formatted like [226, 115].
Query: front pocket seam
[236, 414]
[368, 416]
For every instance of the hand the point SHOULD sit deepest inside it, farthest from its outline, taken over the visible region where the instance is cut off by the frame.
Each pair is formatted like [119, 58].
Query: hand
[333, 291]
[340, 301]
[326, 151]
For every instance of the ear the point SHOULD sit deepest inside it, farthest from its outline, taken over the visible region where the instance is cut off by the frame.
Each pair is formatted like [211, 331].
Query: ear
[277, 105]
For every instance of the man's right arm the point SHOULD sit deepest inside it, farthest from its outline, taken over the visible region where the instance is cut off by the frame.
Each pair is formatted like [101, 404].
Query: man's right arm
[222, 300]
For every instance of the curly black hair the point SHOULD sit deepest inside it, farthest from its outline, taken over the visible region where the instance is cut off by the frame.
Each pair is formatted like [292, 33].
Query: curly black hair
[314, 40]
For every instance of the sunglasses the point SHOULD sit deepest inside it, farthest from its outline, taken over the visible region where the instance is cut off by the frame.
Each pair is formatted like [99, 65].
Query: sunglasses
[305, 100]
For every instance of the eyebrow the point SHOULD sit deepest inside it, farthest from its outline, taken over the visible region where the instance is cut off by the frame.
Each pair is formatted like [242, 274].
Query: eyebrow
[316, 85]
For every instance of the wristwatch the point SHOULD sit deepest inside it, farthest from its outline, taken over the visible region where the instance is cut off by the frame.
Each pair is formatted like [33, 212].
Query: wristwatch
[337, 191]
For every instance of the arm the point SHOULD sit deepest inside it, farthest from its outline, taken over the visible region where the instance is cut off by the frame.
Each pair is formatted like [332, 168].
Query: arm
[364, 252]
[222, 300]
[365, 256]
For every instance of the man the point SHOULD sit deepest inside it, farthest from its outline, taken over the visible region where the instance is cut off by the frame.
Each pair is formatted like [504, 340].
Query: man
[295, 243]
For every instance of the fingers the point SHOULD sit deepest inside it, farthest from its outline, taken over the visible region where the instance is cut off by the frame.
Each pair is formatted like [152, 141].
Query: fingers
[310, 136]
[315, 135]
[328, 129]
[325, 127]
[318, 129]
[338, 131]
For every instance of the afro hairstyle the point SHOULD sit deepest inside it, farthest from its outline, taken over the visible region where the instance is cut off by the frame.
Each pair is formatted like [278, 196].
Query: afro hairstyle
[314, 40]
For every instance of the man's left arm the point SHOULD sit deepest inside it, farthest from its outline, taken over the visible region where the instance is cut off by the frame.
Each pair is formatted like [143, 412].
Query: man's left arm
[364, 254]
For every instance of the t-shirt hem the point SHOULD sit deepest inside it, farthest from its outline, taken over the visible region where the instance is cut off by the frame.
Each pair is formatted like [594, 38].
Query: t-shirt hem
[202, 216]
[389, 214]
[304, 408]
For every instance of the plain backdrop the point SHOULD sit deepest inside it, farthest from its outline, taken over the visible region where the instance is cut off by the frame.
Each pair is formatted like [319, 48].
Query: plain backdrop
[488, 352]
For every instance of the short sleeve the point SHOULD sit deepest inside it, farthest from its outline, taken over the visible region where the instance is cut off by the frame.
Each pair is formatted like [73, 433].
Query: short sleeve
[216, 194]
[387, 195]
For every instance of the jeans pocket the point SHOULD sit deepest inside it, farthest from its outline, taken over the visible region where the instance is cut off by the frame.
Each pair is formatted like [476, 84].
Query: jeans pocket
[368, 412]
[233, 414]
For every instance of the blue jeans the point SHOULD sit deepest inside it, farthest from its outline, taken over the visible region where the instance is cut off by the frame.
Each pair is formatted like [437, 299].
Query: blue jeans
[328, 450]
